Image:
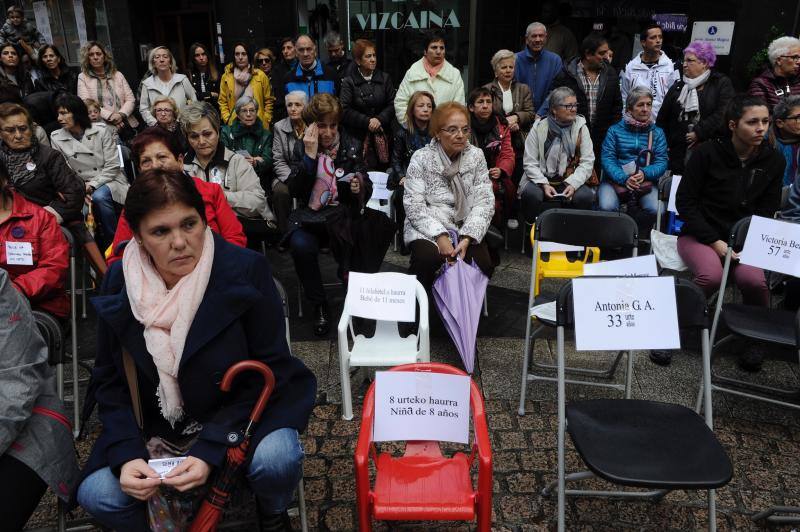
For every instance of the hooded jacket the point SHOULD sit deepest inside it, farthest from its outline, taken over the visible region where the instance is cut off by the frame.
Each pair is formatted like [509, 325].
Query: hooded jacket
[318, 80]
[447, 86]
[718, 189]
[179, 88]
[262, 94]
[772, 88]
[658, 78]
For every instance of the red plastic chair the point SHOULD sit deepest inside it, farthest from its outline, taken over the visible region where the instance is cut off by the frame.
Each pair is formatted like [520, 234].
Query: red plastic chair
[423, 485]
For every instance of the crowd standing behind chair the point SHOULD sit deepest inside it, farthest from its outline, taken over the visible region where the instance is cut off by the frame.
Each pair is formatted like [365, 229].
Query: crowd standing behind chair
[164, 80]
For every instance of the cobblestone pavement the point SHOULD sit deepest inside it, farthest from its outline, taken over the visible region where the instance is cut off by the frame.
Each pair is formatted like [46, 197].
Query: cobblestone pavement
[763, 441]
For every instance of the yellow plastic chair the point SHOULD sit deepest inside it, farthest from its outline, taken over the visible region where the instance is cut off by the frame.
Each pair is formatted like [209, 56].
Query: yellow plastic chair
[557, 265]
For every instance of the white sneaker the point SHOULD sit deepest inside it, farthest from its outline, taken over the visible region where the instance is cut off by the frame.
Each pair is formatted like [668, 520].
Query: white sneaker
[512, 224]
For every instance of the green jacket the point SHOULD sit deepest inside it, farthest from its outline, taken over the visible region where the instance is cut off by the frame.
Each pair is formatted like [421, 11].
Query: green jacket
[255, 140]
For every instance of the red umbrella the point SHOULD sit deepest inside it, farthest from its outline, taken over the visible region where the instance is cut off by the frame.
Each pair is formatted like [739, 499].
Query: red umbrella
[210, 511]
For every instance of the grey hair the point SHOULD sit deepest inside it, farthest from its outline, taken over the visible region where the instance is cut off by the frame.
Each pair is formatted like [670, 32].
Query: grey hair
[781, 46]
[501, 55]
[332, 38]
[162, 98]
[785, 106]
[244, 100]
[194, 112]
[636, 94]
[558, 95]
[535, 26]
[299, 94]
[173, 67]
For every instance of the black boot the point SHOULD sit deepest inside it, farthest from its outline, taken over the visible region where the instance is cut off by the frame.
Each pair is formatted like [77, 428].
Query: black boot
[321, 320]
[275, 523]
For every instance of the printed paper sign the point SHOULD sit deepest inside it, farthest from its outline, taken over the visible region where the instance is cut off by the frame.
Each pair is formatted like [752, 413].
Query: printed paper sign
[625, 313]
[162, 466]
[415, 405]
[19, 253]
[644, 266]
[772, 245]
[718, 33]
[549, 247]
[673, 191]
[385, 296]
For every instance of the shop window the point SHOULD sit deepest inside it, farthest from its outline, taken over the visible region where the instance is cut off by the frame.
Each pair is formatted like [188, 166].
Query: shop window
[69, 23]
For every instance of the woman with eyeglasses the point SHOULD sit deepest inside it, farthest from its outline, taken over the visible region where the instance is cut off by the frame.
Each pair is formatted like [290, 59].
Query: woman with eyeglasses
[558, 159]
[203, 74]
[785, 135]
[782, 77]
[634, 156]
[241, 78]
[166, 112]
[248, 137]
[447, 189]
[164, 80]
[693, 108]
[367, 97]
[263, 60]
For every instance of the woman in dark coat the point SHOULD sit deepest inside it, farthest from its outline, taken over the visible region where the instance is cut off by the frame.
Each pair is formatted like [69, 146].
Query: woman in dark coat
[367, 98]
[184, 305]
[203, 74]
[54, 74]
[331, 184]
[693, 108]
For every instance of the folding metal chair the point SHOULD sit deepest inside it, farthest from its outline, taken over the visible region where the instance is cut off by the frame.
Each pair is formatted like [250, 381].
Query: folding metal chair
[645, 444]
[73, 330]
[579, 228]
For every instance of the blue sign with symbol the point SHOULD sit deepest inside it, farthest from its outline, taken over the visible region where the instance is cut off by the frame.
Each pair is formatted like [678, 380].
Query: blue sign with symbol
[712, 30]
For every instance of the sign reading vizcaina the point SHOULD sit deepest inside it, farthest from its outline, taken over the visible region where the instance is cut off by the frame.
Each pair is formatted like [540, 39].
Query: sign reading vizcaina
[415, 19]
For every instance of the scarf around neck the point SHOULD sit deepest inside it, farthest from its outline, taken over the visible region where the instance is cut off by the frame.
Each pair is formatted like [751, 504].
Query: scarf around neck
[687, 98]
[635, 124]
[430, 69]
[558, 147]
[21, 164]
[104, 84]
[452, 174]
[242, 78]
[166, 315]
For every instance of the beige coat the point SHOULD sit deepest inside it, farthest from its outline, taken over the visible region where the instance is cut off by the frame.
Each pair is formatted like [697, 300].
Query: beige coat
[94, 158]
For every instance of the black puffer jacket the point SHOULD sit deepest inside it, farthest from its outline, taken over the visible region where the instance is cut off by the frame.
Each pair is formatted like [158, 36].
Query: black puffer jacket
[718, 190]
[404, 145]
[609, 101]
[362, 100]
[713, 98]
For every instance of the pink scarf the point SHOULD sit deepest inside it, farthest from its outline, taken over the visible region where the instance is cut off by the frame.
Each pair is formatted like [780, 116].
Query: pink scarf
[430, 69]
[166, 315]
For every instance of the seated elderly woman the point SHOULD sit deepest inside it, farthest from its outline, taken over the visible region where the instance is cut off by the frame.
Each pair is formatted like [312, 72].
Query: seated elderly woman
[558, 158]
[331, 183]
[287, 132]
[634, 156]
[785, 132]
[155, 149]
[211, 161]
[248, 137]
[36, 171]
[727, 180]
[90, 151]
[39, 264]
[180, 285]
[165, 111]
[447, 188]
[36, 450]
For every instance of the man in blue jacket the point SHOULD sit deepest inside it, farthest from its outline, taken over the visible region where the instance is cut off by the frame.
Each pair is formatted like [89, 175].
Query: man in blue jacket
[536, 66]
[309, 76]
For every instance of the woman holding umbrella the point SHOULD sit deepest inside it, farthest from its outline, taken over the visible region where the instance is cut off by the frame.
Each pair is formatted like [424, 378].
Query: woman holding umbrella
[447, 188]
[180, 309]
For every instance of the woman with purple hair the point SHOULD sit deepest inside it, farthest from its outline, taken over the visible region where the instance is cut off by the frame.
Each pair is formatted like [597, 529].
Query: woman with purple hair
[694, 106]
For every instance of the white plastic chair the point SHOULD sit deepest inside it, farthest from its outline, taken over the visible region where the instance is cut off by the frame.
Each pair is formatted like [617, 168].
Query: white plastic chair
[385, 348]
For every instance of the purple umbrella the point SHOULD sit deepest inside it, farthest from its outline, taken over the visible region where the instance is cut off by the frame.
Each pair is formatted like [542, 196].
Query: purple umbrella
[458, 293]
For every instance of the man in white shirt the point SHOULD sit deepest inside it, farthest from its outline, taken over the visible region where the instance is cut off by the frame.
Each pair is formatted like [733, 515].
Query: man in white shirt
[651, 68]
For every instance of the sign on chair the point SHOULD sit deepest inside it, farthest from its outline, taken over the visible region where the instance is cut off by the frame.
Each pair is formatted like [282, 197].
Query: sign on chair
[387, 296]
[644, 266]
[673, 191]
[416, 405]
[625, 313]
[772, 245]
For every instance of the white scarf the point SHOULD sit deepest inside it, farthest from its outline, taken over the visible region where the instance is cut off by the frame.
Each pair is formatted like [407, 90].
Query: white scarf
[687, 99]
[167, 315]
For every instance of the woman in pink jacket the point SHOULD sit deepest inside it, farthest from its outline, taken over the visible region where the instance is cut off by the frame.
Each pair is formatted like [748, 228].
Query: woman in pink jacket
[101, 81]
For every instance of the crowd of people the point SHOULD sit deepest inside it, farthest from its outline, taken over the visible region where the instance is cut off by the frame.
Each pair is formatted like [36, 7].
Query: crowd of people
[166, 186]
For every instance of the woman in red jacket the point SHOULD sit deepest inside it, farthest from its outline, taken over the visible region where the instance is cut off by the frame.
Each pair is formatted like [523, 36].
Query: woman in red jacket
[491, 133]
[154, 148]
[33, 250]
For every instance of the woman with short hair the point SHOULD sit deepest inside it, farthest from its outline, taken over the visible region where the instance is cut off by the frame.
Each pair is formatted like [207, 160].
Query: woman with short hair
[101, 81]
[166, 112]
[782, 77]
[180, 285]
[447, 188]
[263, 59]
[163, 80]
[287, 132]
[248, 137]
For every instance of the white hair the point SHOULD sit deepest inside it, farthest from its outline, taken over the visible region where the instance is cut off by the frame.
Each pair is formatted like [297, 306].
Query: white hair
[535, 26]
[500, 55]
[781, 46]
[301, 95]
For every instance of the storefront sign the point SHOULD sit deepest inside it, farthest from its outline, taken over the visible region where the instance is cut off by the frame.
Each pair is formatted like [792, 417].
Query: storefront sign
[672, 22]
[414, 19]
[719, 34]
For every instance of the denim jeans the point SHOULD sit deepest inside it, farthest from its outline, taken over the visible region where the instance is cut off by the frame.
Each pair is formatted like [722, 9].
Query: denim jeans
[607, 199]
[273, 474]
[103, 207]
